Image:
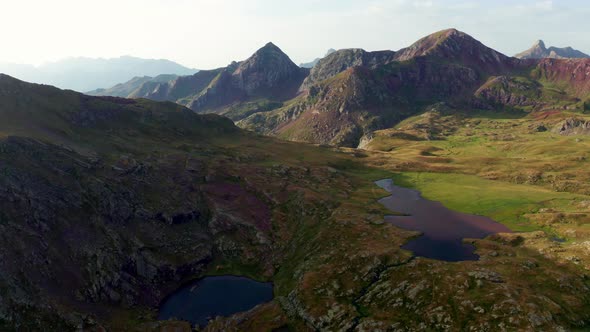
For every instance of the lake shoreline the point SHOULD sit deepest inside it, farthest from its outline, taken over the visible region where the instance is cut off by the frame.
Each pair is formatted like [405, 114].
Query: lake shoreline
[443, 231]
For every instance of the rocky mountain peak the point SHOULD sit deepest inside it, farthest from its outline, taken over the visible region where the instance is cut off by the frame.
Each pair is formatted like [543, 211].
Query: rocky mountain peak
[457, 46]
[266, 68]
[270, 52]
[270, 47]
[449, 42]
[539, 44]
[268, 59]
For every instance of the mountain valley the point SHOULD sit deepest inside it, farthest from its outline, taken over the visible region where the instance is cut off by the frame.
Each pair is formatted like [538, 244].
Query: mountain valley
[267, 170]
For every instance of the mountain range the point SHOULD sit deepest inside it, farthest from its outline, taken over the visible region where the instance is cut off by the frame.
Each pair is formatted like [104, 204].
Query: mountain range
[86, 74]
[108, 204]
[351, 93]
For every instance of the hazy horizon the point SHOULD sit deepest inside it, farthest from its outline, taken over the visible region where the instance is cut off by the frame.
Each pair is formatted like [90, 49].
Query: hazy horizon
[205, 34]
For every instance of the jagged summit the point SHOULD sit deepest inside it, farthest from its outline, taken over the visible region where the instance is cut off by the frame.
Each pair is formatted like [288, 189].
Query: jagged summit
[540, 51]
[539, 43]
[537, 51]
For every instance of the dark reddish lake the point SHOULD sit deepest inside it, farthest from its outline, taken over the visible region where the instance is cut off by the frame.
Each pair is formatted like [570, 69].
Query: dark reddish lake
[443, 230]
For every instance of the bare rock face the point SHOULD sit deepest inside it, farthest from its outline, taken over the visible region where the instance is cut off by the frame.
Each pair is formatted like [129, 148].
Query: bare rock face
[540, 51]
[573, 126]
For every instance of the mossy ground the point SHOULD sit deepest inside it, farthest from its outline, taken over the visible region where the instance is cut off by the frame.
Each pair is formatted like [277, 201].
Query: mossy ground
[343, 267]
[512, 167]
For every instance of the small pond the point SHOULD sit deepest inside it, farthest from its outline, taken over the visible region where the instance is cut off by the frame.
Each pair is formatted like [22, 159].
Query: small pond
[207, 298]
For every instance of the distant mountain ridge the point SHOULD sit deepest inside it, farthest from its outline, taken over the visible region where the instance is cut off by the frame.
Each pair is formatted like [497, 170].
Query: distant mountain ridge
[261, 82]
[351, 93]
[87, 74]
[540, 51]
[312, 64]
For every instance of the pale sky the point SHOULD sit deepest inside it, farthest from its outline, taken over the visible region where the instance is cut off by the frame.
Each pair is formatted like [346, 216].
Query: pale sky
[206, 34]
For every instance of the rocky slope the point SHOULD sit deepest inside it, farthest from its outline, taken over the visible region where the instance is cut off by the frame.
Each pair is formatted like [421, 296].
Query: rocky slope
[93, 227]
[268, 74]
[135, 86]
[179, 89]
[341, 60]
[540, 51]
[259, 83]
[351, 93]
[510, 91]
[571, 75]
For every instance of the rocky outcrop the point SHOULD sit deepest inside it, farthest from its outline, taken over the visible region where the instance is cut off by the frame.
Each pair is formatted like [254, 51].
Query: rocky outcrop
[572, 126]
[540, 51]
[510, 91]
[341, 60]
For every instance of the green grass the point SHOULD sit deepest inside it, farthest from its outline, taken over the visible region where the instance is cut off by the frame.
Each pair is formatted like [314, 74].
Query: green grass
[504, 202]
